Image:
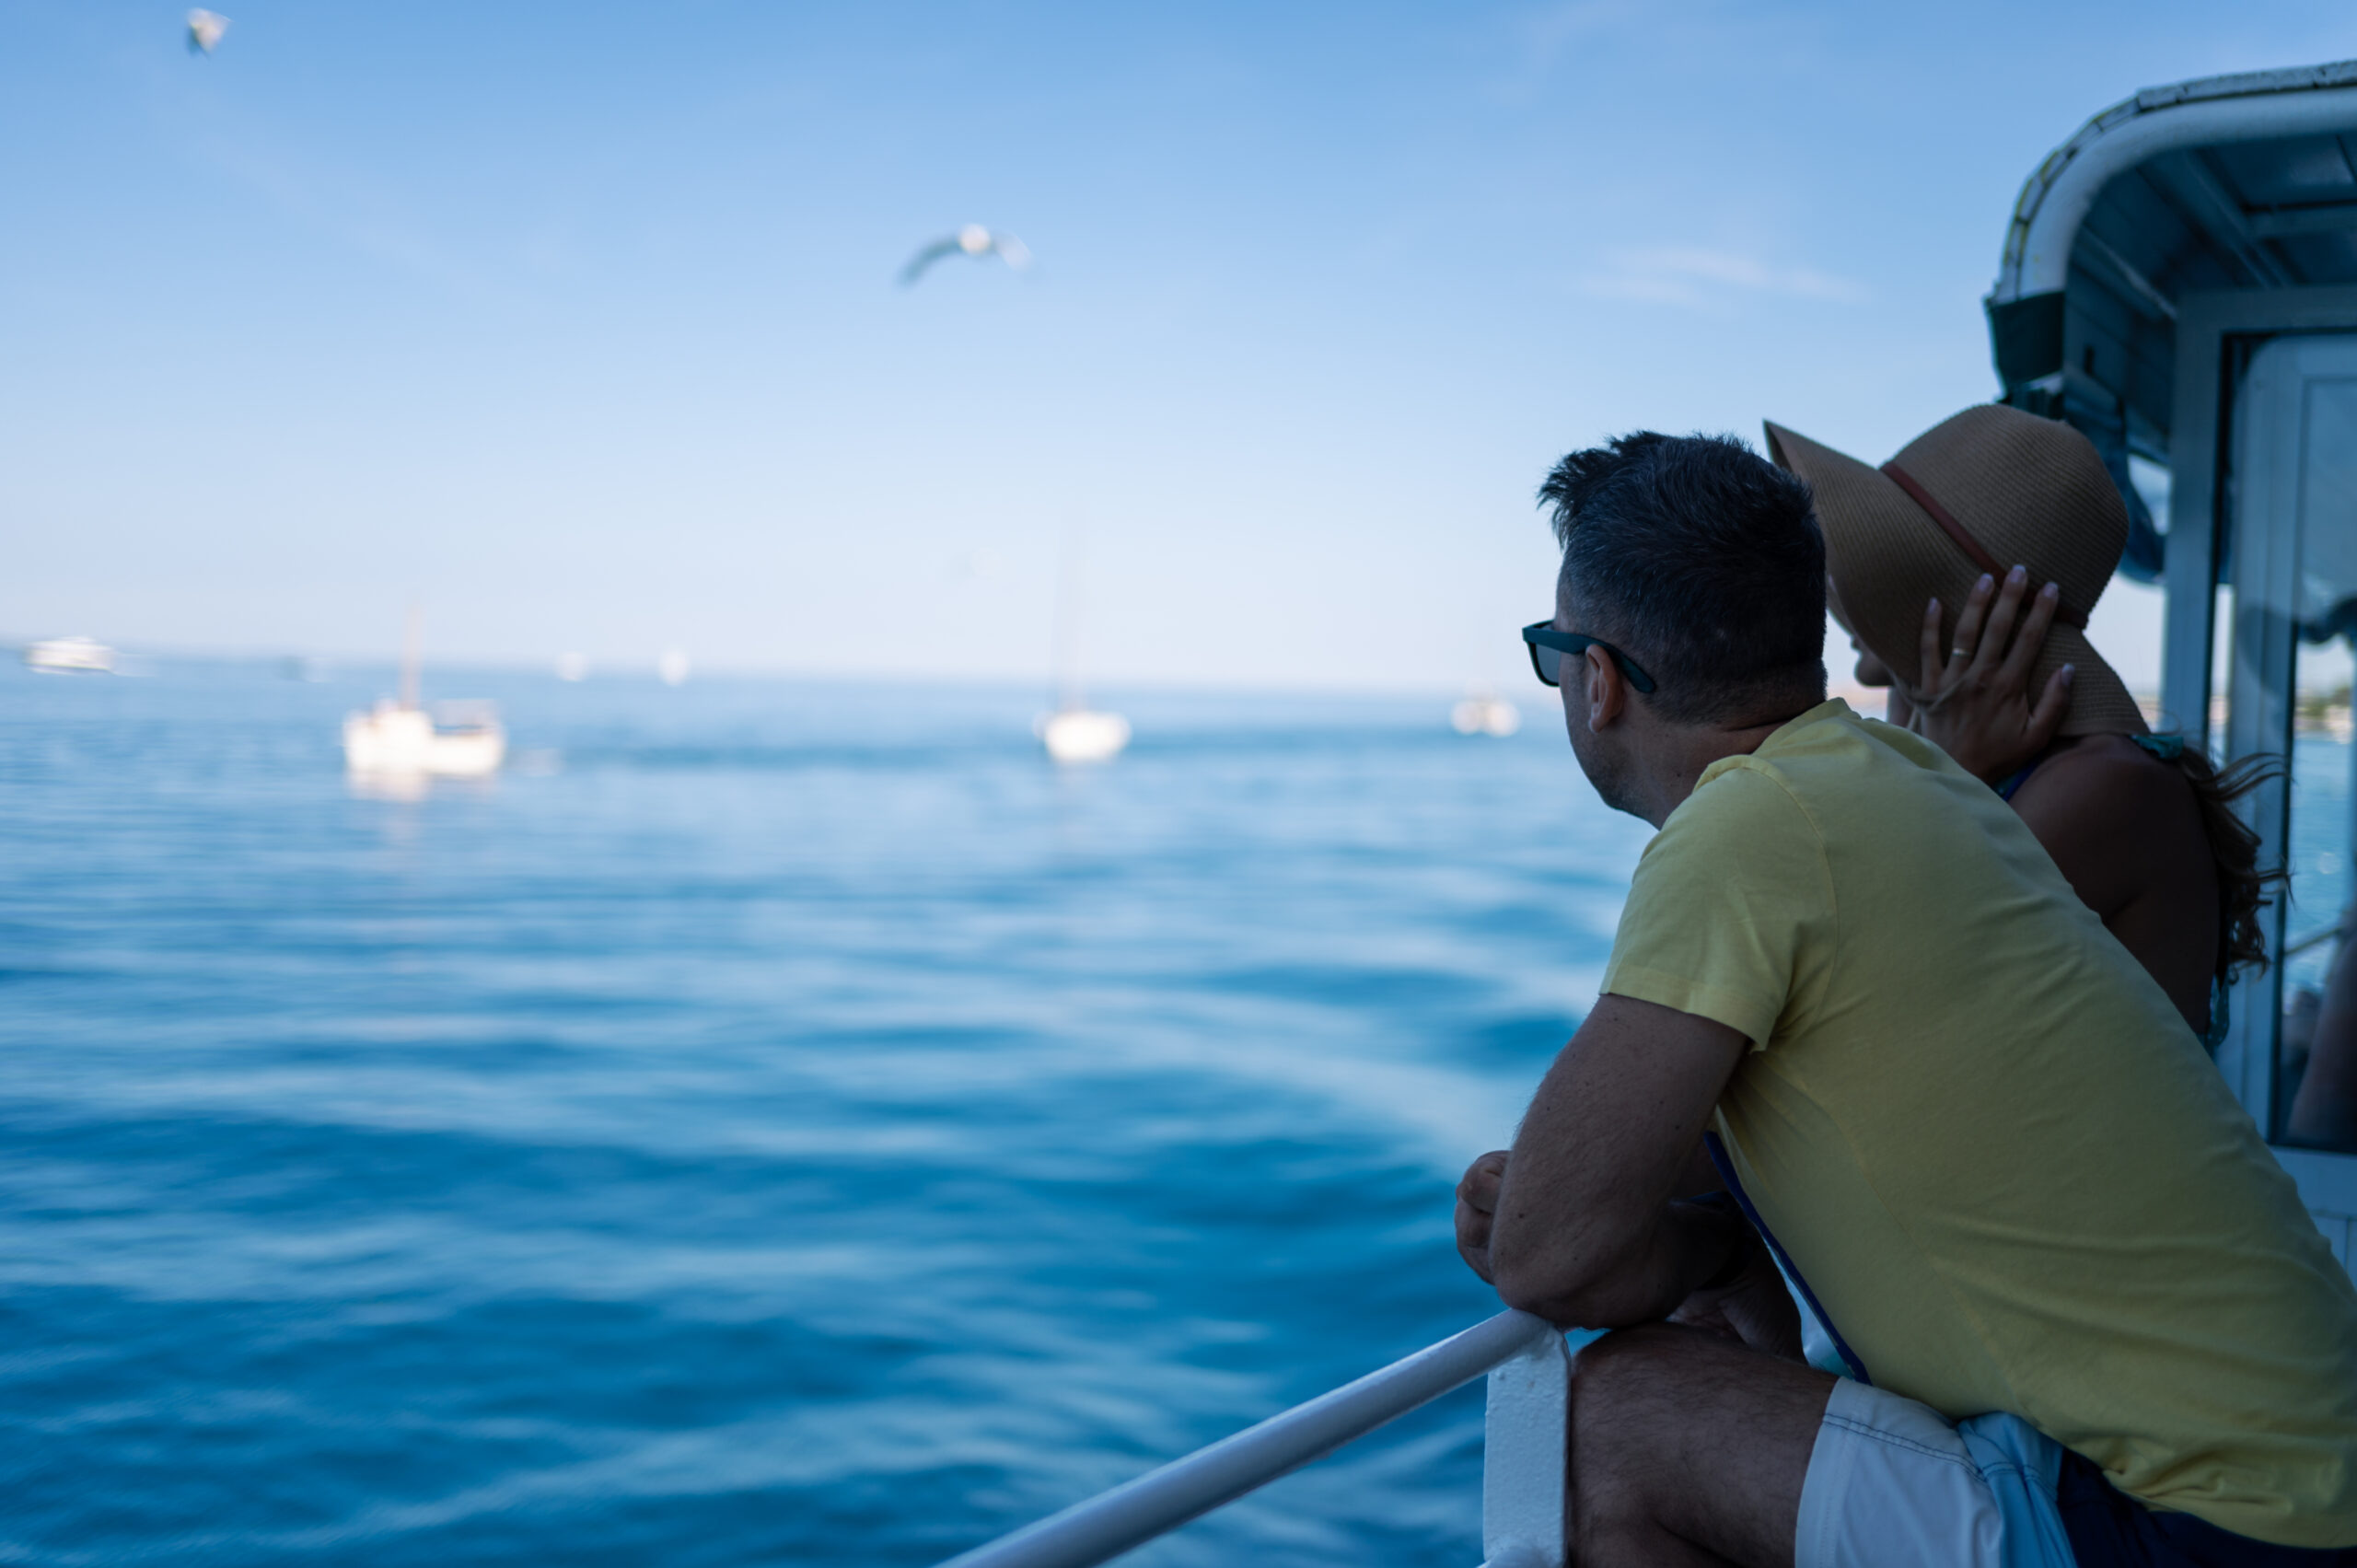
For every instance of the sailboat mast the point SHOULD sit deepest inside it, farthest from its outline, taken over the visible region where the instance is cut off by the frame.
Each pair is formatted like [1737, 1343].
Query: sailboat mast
[412, 641]
[1069, 562]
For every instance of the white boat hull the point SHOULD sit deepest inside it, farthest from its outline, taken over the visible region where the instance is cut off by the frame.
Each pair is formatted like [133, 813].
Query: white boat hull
[396, 740]
[70, 655]
[1078, 734]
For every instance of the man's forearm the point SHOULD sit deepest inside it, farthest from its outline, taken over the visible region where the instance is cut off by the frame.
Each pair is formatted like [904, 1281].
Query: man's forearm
[1577, 1282]
[1586, 1230]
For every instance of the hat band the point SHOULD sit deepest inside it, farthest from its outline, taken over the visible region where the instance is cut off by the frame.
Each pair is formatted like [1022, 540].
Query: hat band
[1963, 538]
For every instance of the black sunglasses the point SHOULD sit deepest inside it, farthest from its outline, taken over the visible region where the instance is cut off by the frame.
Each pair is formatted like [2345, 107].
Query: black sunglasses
[1542, 635]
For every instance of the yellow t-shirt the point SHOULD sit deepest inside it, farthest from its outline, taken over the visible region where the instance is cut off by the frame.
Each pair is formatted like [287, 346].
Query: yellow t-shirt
[1986, 1137]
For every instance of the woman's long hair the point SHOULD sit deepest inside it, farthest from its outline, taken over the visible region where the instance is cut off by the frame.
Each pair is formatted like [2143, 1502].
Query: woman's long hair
[2233, 847]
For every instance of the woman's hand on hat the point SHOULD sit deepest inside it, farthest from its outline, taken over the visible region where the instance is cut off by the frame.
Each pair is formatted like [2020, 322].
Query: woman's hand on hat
[1972, 699]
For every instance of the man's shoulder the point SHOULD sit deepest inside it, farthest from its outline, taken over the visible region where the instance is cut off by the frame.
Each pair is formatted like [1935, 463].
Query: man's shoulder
[1744, 793]
[1856, 792]
[1852, 768]
[1749, 814]
[1810, 766]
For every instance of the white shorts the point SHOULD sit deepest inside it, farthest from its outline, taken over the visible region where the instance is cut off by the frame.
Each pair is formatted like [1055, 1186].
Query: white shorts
[1892, 1484]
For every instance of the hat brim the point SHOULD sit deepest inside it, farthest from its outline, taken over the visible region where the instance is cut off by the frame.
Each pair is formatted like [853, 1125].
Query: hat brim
[1888, 560]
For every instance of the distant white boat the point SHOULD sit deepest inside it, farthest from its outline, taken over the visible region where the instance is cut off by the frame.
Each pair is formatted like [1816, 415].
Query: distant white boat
[398, 739]
[70, 655]
[1483, 712]
[1075, 732]
[1079, 735]
[392, 739]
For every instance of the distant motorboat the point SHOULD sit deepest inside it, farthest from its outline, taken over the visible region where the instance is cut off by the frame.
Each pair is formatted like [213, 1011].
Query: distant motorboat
[398, 739]
[70, 655]
[1483, 712]
[1082, 735]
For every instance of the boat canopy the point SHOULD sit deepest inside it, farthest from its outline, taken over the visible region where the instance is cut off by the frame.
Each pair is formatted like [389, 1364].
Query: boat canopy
[2245, 182]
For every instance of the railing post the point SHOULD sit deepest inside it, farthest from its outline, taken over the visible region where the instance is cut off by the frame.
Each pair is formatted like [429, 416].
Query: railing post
[1523, 1456]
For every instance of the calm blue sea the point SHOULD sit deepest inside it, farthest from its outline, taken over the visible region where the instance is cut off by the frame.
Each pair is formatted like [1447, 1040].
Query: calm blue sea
[776, 1123]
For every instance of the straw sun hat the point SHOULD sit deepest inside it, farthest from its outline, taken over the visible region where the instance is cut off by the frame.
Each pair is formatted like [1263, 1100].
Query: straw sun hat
[1982, 492]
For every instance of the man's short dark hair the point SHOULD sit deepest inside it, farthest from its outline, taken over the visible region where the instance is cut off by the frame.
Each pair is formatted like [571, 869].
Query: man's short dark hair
[1702, 560]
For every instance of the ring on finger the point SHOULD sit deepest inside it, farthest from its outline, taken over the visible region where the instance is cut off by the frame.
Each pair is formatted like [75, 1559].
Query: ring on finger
[1960, 651]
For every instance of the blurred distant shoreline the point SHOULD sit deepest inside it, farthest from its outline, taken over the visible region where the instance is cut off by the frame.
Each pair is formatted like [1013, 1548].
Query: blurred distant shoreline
[2318, 712]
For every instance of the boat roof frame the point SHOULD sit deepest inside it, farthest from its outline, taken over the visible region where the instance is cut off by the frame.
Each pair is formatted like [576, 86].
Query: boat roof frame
[2246, 106]
[2148, 203]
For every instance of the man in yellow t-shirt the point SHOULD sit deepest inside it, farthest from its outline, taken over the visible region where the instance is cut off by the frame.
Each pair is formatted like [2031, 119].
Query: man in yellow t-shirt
[2081, 1316]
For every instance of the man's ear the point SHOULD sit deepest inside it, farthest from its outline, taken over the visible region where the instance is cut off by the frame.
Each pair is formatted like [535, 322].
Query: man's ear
[1608, 693]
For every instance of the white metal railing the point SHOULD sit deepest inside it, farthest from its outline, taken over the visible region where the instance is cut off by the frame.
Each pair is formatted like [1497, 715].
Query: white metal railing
[1522, 1479]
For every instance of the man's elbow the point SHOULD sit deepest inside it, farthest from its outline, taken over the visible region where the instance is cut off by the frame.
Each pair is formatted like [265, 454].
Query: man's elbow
[1525, 1293]
[1569, 1307]
[1552, 1283]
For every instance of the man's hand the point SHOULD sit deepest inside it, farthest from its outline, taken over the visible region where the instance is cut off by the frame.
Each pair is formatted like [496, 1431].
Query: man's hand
[1754, 1307]
[1477, 1211]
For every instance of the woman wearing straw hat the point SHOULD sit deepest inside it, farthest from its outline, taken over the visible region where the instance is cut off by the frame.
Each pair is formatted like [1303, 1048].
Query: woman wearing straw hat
[1930, 558]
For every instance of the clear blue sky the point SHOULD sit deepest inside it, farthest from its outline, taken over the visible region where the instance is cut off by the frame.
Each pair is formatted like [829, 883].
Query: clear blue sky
[578, 322]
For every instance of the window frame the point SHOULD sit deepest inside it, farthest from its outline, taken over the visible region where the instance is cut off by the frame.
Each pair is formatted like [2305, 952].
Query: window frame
[2217, 335]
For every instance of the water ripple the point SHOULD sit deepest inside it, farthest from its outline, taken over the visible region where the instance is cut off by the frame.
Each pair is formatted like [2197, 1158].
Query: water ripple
[801, 1127]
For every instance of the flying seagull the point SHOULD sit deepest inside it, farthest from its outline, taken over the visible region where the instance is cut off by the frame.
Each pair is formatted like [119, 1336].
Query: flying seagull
[205, 30]
[972, 240]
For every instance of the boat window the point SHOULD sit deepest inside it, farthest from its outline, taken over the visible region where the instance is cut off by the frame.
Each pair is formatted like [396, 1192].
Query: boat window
[2297, 627]
[2151, 482]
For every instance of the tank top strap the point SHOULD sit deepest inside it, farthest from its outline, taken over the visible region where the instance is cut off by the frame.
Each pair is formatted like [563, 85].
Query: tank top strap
[2005, 790]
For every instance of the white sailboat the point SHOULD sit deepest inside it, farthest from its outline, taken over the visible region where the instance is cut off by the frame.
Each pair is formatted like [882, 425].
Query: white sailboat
[400, 739]
[1075, 732]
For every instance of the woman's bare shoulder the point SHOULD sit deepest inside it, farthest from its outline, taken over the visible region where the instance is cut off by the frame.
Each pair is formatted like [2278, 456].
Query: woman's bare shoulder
[2115, 818]
[2105, 762]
